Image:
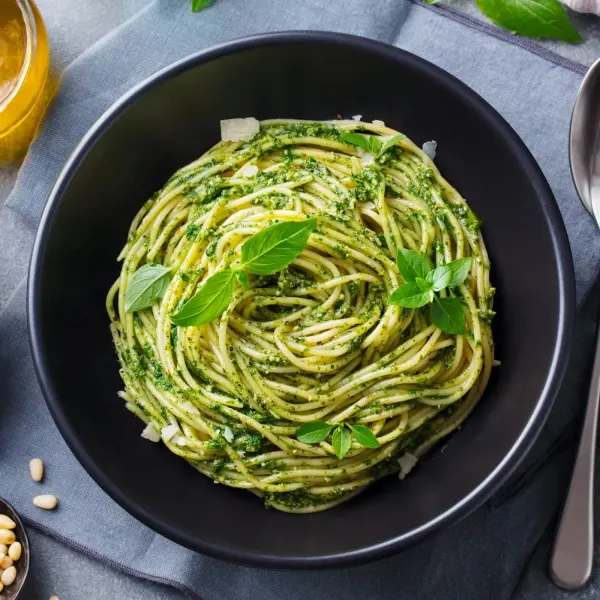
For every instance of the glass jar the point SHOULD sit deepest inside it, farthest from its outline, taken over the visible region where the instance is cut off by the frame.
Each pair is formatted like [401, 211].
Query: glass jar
[25, 86]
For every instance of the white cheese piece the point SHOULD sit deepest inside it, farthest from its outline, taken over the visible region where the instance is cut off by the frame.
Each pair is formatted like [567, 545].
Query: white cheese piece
[429, 148]
[150, 433]
[378, 122]
[367, 159]
[250, 171]
[357, 117]
[228, 434]
[179, 440]
[168, 432]
[235, 130]
[407, 462]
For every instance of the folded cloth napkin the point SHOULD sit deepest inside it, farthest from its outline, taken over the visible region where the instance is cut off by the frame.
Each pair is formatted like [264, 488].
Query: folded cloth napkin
[498, 552]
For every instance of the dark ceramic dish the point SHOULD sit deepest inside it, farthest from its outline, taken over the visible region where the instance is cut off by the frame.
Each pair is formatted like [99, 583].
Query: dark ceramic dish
[13, 591]
[171, 119]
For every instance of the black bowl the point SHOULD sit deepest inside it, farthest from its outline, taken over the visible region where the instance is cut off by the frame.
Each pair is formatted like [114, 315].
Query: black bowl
[171, 119]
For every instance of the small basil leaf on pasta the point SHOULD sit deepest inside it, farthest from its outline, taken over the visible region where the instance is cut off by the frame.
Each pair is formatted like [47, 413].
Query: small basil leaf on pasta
[391, 142]
[356, 139]
[243, 278]
[148, 284]
[440, 277]
[448, 315]
[424, 284]
[376, 145]
[210, 301]
[275, 247]
[409, 295]
[313, 432]
[364, 436]
[198, 5]
[460, 269]
[341, 440]
[412, 264]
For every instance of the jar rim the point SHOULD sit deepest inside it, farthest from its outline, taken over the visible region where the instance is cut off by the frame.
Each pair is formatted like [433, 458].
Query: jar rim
[30, 50]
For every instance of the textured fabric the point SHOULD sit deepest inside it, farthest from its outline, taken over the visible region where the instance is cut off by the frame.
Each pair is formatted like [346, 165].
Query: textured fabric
[500, 551]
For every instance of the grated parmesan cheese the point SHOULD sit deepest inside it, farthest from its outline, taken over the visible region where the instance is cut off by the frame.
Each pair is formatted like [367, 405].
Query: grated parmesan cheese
[378, 122]
[250, 171]
[168, 432]
[367, 159]
[228, 434]
[357, 117]
[235, 130]
[407, 462]
[430, 149]
[150, 433]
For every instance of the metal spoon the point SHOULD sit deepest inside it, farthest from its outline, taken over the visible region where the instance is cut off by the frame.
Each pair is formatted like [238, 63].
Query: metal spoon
[571, 563]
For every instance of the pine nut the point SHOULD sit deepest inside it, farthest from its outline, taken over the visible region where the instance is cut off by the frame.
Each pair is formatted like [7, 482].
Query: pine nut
[36, 468]
[1, 586]
[2, 556]
[54, 598]
[9, 576]
[3, 549]
[6, 522]
[45, 501]
[15, 551]
[7, 562]
[7, 536]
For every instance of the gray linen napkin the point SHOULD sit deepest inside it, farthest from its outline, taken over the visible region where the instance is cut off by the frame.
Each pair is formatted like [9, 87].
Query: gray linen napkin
[498, 552]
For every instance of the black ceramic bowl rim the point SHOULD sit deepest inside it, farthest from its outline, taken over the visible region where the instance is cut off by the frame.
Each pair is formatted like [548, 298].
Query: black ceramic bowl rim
[565, 285]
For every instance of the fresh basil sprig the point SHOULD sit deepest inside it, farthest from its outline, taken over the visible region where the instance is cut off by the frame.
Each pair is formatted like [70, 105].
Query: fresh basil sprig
[341, 439]
[265, 253]
[371, 143]
[421, 284]
[148, 284]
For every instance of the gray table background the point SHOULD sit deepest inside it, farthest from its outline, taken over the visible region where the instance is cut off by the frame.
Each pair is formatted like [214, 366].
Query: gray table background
[73, 26]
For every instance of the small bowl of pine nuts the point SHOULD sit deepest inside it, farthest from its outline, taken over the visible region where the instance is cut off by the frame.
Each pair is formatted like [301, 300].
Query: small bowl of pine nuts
[14, 552]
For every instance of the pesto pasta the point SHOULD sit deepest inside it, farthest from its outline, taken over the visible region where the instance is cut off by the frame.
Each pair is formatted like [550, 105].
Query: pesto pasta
[309, 383]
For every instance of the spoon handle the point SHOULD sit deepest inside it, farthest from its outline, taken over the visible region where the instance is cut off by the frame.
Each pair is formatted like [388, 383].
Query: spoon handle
[571, 563]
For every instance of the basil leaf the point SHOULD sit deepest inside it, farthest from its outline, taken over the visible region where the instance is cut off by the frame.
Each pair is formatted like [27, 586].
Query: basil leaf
[412, 264]
[313, 432]
[391, 142]
[440, 277]
[364, 436]
[211, 300]
[410, 295]
[460, 269]
[148, 284]
[424, 284]
[448, 315]
[198, 5]
[533, 18]
[356, 139]
[375, 143]
[275, 247]
[341, 441]
[243, 279]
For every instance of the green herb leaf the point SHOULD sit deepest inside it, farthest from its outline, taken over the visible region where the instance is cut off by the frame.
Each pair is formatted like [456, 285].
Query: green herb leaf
[460, 269]
[412, 264]
[275, 247]
[341, 441]
[448, 315]
[356, 139]
[148, 284]
[313, 432]
[410, 295]
[391, 142]
[376, 144]
[243, 278]
[424, 284]
[211, 300]
[364, 436]
[198, 5]
[533, 18]
[440, 277]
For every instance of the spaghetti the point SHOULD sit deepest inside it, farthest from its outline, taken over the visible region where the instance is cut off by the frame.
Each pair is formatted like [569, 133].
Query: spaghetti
[317, 341]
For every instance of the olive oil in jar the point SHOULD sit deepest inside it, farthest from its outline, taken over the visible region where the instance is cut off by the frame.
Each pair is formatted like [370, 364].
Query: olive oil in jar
[25, 87]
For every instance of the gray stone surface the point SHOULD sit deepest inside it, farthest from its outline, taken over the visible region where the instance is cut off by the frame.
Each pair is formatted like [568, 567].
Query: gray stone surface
[73, 26]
